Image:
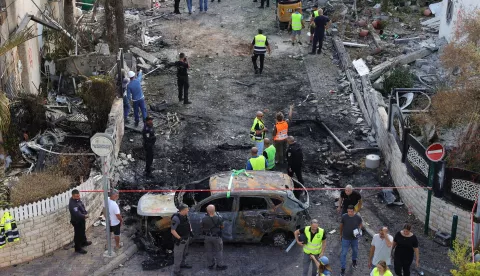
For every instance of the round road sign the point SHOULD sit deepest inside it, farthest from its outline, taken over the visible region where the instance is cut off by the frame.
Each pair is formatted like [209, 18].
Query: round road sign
[101, 144]
[435, 152]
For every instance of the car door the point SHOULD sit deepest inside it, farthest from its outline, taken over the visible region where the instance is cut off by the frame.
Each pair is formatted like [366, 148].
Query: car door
[255, 218]
[224, 207]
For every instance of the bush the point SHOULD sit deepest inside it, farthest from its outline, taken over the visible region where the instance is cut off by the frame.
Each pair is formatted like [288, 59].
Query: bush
[98, 94]
[470, 269]
[399, 78]
[461, 259]
[37, 186]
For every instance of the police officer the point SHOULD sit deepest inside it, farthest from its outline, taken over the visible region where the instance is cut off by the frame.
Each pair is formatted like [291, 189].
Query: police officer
[294, 158]
[78, 215]
[149, 140]
[258, 48]
[212, 225]
[313, 244]
[181, 231]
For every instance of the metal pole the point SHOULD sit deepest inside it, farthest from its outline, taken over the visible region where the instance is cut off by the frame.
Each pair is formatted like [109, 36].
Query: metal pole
[477, 225]
[431, 173]
[105, 197]
[453, 234]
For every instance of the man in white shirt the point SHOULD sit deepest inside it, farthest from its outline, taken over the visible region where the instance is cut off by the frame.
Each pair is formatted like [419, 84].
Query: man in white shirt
[381, 248]
[116, 219]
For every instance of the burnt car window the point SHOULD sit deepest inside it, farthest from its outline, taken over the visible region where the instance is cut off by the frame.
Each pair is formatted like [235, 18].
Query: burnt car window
[221, 205]
[276, 201]
[252, 203]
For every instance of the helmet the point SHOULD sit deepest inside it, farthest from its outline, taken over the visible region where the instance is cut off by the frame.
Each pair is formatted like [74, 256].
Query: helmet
[303, 239]
[324, 260]
[131, 74]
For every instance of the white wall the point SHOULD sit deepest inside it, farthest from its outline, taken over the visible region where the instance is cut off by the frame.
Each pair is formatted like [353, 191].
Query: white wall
[460, 8]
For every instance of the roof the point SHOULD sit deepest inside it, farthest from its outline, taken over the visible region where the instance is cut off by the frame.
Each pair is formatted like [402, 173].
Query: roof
[268, 180]
[156, 204]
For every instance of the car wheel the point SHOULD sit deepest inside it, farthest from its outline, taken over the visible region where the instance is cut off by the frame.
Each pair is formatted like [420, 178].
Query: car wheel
[279, 239]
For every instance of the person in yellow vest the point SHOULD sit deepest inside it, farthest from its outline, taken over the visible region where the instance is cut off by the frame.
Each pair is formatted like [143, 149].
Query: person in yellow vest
[381, 270]
[8, 225]
[280, 134]
[257, 131]
[312, 23]
[256, 162]
[314, 244]
[258, 48]
[297, 24]
[269, 153]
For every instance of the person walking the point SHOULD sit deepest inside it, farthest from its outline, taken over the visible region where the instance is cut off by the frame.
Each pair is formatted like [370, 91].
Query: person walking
[381, 248]
[176, 7]
[323, 267]
[78, 215]
[294, 159]
[212, 225]
[314, 244]
[149, 140]
[321, 23]
[203, 5]
[350, 230]
[349, 197]
[258, 48]
[297, 24]
[262, 4]
[181, 231]
[381, 270]
[280, 134]
[115, 218]
[269, 153]
[257, 131]
[312, 24]
[405, 245]
[182, 78]
[134, 91]
[256, 162]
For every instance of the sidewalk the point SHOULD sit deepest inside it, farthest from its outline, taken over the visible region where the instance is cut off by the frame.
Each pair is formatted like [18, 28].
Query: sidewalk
[66, 262]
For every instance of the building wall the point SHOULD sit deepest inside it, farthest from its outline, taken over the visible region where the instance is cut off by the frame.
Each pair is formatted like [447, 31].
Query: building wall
[460, 9]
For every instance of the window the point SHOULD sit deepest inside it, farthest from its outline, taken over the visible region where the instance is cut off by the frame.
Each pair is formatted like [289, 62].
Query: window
[252, 203]
[449, 11]
[221, 205]
[276, 201]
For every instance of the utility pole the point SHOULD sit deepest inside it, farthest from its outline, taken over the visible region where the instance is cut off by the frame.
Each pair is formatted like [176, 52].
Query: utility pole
[476, 236]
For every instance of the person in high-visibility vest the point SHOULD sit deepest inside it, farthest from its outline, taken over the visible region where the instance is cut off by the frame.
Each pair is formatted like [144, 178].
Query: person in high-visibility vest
[312, 24]
[297, 24]
[269, 153]
[381, 270]
[256, 162]
[314, 244]
[257, 131]
[280, 134]
[258, 49]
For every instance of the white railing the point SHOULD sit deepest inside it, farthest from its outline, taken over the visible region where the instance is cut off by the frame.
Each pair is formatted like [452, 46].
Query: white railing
[49, 205]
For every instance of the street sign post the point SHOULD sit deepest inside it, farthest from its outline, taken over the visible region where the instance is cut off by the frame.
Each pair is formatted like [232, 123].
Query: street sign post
[102, 145]
[435, 152]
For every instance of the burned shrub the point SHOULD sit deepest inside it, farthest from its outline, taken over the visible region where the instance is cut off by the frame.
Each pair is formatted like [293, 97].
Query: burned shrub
[98, 94]
[399, 78]
[37, 186]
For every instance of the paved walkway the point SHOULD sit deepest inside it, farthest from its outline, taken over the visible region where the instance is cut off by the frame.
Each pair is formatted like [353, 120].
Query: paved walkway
[66, 262]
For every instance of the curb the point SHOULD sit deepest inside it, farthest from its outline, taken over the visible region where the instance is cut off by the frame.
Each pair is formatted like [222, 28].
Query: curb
[106, 269]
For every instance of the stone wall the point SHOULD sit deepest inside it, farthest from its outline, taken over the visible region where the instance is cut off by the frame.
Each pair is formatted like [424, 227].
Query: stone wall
[415, 199]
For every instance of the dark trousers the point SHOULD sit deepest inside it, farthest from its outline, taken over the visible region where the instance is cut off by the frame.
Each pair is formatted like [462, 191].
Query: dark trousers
[79, 237]
[176, 6]
[254, 60]
[317, 38]
[402, 266]
[263, 2]
[183, 86]
[297, 172]
[148, 159]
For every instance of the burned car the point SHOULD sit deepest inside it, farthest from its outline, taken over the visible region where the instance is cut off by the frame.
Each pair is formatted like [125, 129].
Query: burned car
[257, 206]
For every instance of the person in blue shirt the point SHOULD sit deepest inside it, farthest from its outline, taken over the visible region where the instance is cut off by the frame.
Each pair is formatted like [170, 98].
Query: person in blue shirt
[135, 93]
[256, 162]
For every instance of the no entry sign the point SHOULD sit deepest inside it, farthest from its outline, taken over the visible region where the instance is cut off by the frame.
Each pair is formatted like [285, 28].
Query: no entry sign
[435, 152]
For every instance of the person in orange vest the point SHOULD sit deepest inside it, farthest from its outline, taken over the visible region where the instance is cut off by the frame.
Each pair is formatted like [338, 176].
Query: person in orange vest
[280, 134]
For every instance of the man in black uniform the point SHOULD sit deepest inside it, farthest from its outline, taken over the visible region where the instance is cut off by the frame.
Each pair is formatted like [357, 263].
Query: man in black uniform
[321, 23]
[78, 215]
[212, 225]
[176, 7]
[294, 159]
[181, 231]
[182, 78]
[149, 140]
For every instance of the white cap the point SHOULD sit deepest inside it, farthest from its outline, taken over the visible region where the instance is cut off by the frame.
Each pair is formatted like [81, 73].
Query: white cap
[131, 74]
